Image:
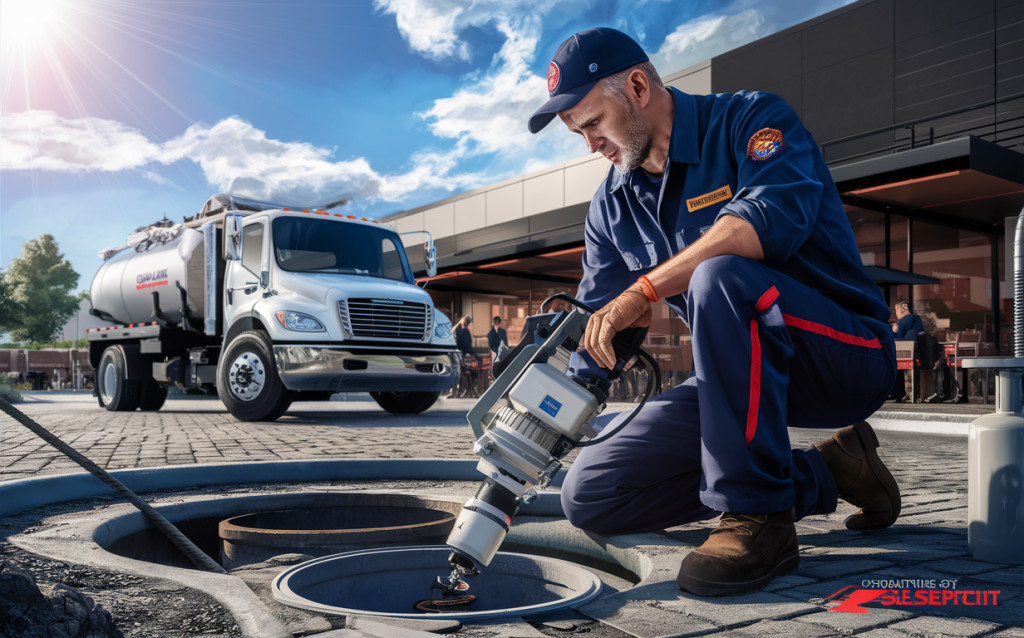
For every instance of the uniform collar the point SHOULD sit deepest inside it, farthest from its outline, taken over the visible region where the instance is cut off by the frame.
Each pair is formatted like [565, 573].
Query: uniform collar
[682, 145]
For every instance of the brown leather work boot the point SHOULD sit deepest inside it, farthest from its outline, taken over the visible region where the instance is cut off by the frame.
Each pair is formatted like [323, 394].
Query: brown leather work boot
[745, 553]
[861, 477]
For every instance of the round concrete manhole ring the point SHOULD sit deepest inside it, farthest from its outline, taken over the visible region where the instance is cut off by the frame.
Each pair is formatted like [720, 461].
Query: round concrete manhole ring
[328, 523]
[389, 581]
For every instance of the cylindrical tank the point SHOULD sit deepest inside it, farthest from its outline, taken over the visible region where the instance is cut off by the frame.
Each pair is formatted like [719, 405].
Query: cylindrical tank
[125, 284]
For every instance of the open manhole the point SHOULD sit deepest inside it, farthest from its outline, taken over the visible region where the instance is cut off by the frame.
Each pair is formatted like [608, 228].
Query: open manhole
[389, 581]
[321, 524]
[244, 530]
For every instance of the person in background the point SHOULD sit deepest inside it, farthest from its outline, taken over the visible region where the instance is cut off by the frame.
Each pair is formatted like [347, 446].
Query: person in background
[470, 363]
[907, 327]
[495, 338]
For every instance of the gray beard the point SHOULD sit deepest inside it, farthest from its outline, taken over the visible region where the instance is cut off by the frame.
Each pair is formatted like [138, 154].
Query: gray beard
[637, 146]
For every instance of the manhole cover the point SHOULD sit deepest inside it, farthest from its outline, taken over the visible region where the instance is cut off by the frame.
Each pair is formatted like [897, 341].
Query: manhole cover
[389, 581]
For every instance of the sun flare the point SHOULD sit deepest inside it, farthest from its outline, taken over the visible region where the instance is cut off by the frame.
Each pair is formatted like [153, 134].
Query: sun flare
[23, 22]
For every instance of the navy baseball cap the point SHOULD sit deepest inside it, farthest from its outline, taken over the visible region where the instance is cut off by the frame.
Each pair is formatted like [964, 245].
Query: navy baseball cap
[579, 64]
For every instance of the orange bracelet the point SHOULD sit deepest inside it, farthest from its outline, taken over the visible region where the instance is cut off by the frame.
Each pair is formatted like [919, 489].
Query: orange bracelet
[648, 288]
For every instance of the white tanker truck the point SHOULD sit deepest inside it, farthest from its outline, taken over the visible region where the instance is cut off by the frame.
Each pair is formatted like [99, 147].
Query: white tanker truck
[266, 305]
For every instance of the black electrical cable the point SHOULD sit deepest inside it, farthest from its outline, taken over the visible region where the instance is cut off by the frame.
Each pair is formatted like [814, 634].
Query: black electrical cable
[565, 297]
[196, 555]
[655, 370]
[655, 383]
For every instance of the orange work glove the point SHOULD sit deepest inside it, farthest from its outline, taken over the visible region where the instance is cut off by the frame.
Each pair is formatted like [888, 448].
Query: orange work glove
[631, 309]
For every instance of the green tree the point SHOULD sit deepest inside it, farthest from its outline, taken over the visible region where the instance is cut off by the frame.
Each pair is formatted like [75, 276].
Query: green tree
[10, 309]
[42, 281]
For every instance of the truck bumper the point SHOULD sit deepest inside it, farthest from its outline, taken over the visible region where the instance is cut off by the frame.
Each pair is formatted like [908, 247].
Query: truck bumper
[315, 368]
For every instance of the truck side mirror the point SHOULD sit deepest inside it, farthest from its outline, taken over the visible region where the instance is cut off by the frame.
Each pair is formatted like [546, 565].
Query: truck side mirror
[265, 278]
[430, 256]
[233, 237]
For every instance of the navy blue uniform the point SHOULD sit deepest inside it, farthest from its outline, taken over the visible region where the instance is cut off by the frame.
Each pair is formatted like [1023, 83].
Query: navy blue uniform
[495, 338]
[908, 327]
[464, 340]
[799, 339]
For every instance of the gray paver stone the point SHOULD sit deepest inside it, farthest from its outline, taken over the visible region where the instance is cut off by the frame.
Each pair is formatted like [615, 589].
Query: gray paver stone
[773, 628]
[960, 566]
[787, 581]
[834, 568]
[729, 611]
[642, 619]
[940, 627]
[847, 623]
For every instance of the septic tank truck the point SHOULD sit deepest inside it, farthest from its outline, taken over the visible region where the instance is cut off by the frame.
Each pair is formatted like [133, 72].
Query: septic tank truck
[266, 305]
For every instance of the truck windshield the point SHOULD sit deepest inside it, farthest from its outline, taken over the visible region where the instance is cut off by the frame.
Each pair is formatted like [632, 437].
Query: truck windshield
[319, 245]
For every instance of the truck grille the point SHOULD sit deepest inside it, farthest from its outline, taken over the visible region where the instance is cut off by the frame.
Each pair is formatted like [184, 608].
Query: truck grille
[386, 319]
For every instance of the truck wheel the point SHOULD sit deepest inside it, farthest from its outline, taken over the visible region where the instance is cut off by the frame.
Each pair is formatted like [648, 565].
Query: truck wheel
[247, 380]
[153, 396]
[116, 392]
[405, 402]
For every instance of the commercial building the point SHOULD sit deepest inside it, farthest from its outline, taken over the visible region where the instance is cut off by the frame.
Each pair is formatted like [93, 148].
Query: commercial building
[53, 367]
[918, 108]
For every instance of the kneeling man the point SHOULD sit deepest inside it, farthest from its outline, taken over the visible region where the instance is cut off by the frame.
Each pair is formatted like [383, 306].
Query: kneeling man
[722, 206]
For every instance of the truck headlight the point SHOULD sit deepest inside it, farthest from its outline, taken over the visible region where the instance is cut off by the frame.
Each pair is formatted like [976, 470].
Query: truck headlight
[298, 321]
[443, 331]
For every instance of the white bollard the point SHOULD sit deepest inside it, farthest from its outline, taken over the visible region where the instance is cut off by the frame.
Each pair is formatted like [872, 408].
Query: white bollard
[995, 469]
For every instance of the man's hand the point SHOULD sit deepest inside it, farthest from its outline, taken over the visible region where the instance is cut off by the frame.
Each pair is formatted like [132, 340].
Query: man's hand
[631, 309]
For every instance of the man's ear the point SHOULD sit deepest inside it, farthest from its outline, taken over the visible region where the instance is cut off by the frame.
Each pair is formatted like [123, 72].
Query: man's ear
[638, 87]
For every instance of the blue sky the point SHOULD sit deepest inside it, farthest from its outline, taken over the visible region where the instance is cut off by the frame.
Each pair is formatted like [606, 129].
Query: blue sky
[116, 112]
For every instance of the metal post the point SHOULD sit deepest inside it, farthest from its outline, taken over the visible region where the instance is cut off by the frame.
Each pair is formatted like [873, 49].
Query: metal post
[888, 256]
[1018, 287]
[994, 290]
[910, 260]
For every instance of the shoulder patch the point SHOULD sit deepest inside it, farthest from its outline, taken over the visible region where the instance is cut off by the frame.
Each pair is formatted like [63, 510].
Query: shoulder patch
[764, 144]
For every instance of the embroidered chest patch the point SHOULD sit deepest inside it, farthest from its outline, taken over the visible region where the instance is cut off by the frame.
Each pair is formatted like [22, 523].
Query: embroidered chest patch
[715, 196]
[764, 144]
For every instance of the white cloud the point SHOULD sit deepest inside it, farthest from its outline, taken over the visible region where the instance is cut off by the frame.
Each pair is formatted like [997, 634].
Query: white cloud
[706, 37]
[490, 115]
[234, 156]
[432, 27]
[43, 140]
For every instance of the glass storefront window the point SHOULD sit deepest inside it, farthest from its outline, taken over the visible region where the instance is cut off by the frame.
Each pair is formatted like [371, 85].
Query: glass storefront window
[962, 302]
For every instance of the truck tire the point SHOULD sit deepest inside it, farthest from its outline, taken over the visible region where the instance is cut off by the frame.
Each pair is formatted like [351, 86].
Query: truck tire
[247, 379]
[153, 396]
[405, 402]
[116, 392]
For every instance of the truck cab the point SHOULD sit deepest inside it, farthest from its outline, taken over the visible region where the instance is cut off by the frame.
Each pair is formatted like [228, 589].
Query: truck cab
[296, 305]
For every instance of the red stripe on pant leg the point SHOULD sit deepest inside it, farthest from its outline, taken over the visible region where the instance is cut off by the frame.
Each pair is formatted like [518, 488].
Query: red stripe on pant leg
[767, 299]
[755, 380]
[810, 326]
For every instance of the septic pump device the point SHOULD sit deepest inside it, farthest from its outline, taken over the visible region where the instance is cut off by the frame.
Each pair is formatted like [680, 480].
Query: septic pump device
[534, 414]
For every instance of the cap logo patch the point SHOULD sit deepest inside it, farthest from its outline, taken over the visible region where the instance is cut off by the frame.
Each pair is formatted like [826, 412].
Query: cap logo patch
[554, 75]
[764, 144]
